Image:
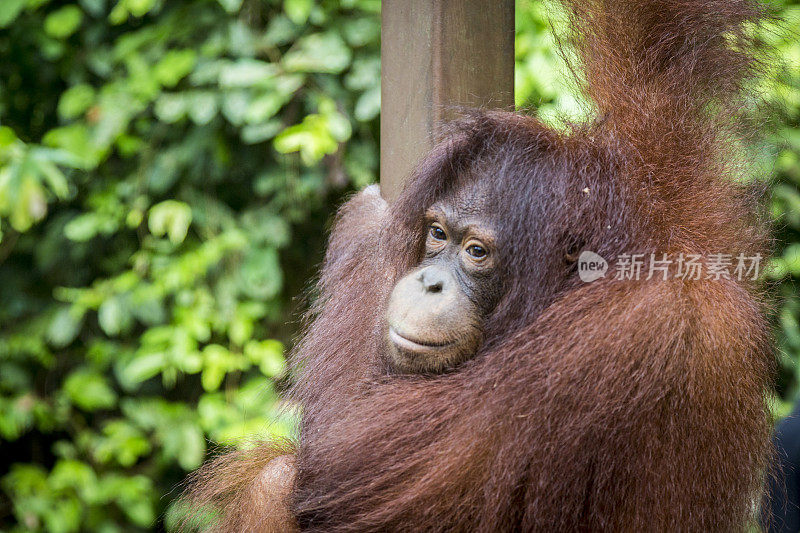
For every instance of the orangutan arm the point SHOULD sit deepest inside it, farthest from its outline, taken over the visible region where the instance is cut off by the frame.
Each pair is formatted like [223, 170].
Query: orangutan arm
[361, 215]
[273, 489]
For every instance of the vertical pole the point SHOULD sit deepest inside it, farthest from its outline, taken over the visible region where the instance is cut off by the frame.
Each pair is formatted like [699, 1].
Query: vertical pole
[435, 55]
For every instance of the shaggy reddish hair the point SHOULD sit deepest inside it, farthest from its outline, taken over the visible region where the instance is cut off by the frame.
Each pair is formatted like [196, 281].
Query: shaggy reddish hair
[610, 405]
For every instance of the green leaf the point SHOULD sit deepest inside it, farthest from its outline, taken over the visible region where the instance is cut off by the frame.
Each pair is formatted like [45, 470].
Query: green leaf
[268, 355]
[217, 362]
[256, 133]
[171, 107]
[235, 105]
[231, 6]
[95, 8]
[264, 107]
[63, 22]
[203, 107]
[50, 173]
[83, 227]
[114, 317]
[89, 391]
[7, 137]
[260, 276]
[139, 8]
[30, 203]
[134, 494]
[362, 31]
[121, 442]
[265, 228]
[246, 73]
[125, 8]
[174, 66]
[16, 416]
[186, 443]
[171, 218]
[10, 10]
[776, 268]
[319, 52]
[64, 327]
[791, 257]
[141, 368]
[368, 105]
[364, 74]
[280, 31]
[315, 137]
[76, 140]
[298, 10]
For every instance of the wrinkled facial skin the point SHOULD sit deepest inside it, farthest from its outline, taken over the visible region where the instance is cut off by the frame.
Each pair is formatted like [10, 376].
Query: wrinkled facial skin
[435, 315]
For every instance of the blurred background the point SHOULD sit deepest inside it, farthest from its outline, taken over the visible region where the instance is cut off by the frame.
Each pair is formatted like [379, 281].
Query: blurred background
[168, 171]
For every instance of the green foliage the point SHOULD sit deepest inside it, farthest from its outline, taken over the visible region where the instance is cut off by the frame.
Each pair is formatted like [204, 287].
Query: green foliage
[156, 160]
[784, 165]
[166, 171]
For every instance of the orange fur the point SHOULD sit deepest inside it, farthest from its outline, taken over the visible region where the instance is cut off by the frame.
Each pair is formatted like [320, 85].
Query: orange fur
[606, 406]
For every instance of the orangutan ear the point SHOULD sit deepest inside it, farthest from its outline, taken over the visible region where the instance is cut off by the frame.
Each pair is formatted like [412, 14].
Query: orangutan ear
[273, 491]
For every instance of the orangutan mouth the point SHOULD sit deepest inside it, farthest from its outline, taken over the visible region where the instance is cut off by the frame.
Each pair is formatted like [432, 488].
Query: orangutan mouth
[416, 345]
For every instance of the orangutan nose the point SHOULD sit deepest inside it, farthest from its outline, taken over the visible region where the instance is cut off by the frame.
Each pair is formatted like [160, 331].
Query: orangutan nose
[433, 279]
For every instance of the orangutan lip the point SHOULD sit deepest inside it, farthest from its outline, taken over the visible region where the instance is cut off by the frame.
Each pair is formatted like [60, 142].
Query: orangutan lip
[414, 345]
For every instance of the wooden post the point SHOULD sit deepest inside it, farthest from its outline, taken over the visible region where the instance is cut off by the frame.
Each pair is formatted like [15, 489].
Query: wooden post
[437, 54]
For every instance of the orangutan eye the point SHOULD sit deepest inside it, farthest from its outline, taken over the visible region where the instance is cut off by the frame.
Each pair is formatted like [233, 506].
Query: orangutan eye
[437, 233]
[476, 251]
